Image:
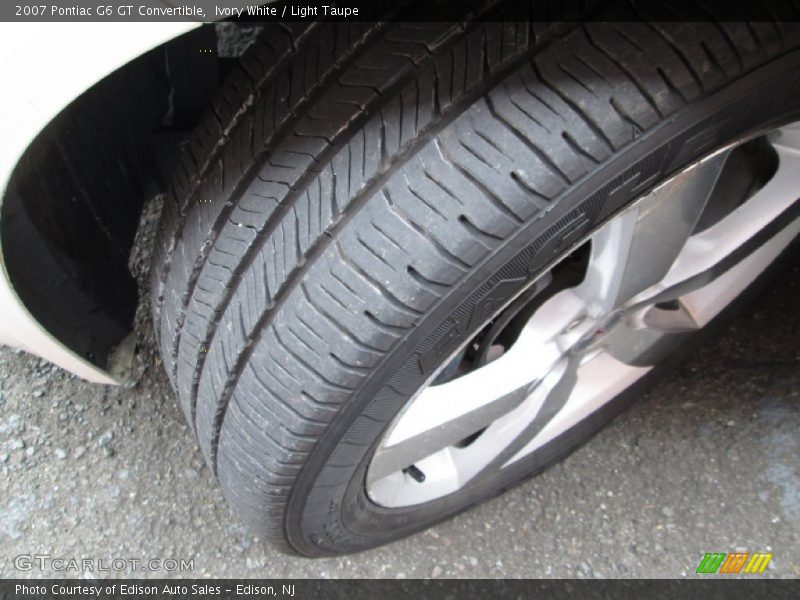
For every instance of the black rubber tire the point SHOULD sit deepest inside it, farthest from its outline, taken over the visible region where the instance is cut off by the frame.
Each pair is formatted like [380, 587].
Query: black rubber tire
[363, 195]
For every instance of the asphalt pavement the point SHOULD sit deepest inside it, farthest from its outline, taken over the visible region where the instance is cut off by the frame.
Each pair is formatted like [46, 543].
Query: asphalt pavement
[706, 462]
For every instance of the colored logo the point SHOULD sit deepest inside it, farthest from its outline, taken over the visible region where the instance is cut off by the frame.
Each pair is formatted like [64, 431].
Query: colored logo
[735, 562]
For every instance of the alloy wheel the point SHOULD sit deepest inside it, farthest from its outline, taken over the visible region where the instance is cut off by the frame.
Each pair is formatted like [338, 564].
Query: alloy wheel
[665, 266]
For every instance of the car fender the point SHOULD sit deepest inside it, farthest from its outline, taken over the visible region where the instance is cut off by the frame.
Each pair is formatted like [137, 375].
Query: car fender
[53, 63]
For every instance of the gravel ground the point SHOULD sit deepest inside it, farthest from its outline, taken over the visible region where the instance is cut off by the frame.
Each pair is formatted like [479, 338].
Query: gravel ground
[706, 462]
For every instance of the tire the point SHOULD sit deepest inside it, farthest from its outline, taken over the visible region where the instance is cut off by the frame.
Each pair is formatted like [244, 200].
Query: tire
[344, 220]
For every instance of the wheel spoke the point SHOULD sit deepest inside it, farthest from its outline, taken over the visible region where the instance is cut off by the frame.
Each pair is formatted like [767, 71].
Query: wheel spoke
[445, 414]
[505, 435]
[440, 435]
[645, 331]
[709, 254]
[703, 278]
[636, 249]
[600, 377]
[505, 438]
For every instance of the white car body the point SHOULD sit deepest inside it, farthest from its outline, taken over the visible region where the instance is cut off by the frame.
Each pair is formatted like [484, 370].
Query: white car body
[52, 65]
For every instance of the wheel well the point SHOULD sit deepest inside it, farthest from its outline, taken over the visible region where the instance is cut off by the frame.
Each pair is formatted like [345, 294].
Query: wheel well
[72, 205]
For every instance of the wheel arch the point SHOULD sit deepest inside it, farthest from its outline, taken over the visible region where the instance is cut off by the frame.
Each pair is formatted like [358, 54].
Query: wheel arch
[77, 173]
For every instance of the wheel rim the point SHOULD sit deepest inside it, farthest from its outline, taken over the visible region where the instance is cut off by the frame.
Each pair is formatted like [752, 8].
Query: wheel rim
[655, 271]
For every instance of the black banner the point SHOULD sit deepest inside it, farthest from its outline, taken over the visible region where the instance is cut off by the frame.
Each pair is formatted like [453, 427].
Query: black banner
[412, 589]
[370, 10]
